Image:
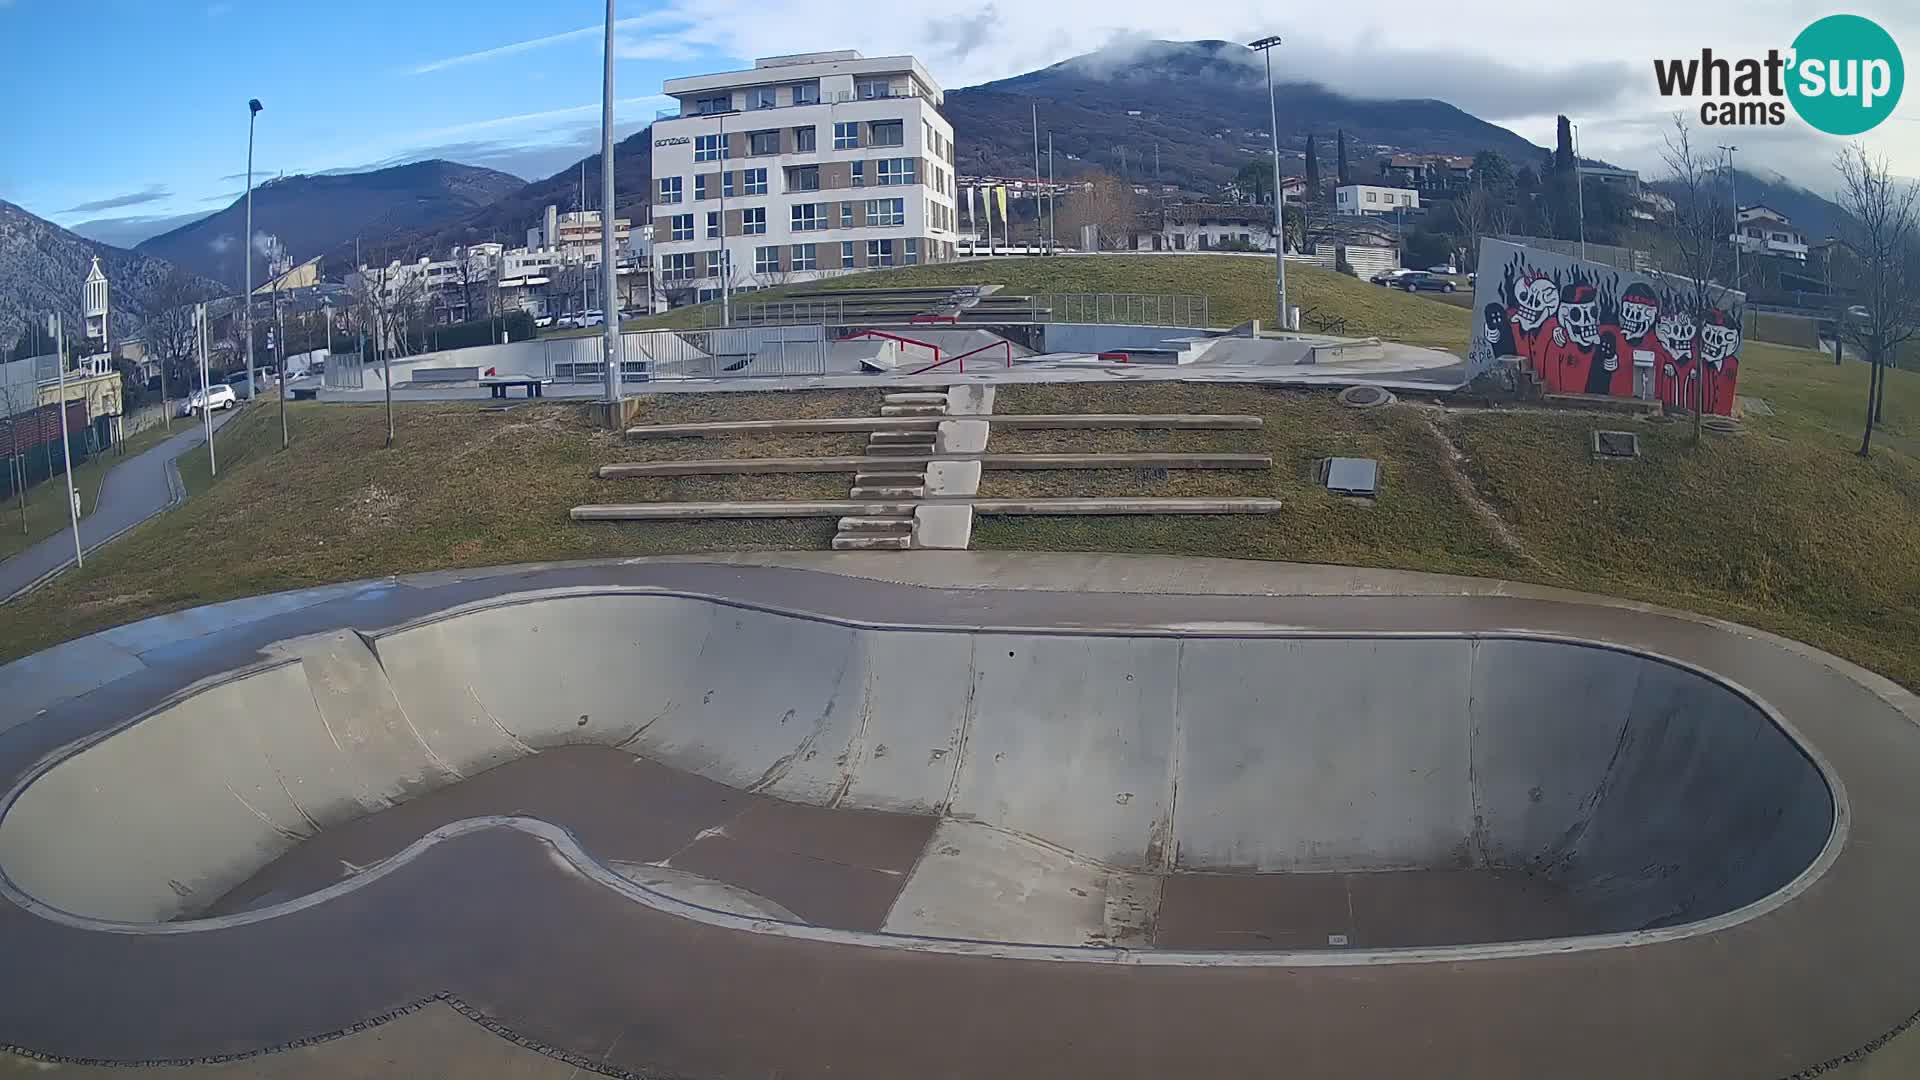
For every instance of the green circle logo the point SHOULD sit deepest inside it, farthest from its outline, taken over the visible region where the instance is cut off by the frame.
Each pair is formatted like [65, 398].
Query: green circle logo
[1846, 74]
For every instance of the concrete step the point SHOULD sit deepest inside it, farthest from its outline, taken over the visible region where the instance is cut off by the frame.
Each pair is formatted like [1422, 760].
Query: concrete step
[916, 399]
[844, 542]
[913, 410]
[919, 449]
[901, 438]
[889, 479]
[876, 524]
[886, 492]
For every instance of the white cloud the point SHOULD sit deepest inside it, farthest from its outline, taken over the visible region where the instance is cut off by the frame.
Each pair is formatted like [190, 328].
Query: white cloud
[514, 48]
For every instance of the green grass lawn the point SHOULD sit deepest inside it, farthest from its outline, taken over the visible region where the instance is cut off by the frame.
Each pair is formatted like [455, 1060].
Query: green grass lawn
[1237, 288]
[46, 508]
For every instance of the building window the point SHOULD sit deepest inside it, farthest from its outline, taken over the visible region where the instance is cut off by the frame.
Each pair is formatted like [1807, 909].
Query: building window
[756, 181]
[886, 212]
[804, 258]
[726, 185]
[807, 217]
[803, 139]
[709, 147]
[762, 143]
[713, 224]
[677, 266]
[753, 220]
[859, 174]
[762, 97]
[912, 253]
[897, 171]
[806, 93]
[669, 193]
[717, 104]
[846, 253]
[887, 133]
[682, 227]
[1370, 196]
[846, 215]
[803, 178]
[873, 88]
[766, 260]
[846, 136]
[699, 186]
[879, 253]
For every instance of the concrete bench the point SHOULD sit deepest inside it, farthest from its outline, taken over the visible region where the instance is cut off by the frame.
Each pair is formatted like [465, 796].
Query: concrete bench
[499, 384]
[445, 374]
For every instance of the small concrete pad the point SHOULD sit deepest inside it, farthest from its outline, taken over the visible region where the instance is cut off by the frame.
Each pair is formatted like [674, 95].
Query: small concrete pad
[876, 524]
[874, 542]
[953, 478]
[969, 400]
[915, 399]
[962, 437]
[901, 438]
[913, 410]
[887, 492]
[979, 882]
[947, 526]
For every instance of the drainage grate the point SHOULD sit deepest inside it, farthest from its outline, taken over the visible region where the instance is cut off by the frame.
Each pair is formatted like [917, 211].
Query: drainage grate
[1623, 445]
[1365, 397]
[1353, 476]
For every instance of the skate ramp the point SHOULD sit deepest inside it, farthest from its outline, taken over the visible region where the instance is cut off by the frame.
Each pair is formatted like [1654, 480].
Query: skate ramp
[1653, 794]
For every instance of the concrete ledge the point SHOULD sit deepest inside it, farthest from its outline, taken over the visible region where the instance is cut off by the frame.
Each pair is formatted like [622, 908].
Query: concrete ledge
[1170, 421]
[693, 511]
[898, 462]
[1126, 506]
[1031, 421]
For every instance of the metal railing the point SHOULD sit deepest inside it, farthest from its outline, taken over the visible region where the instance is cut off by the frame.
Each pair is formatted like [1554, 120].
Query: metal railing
[344, 371]
[659, 355]
[1131, 309]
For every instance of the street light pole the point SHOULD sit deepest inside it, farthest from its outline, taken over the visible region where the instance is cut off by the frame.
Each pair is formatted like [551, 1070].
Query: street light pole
[610, 284]
[726, 264]
[66, 442]
[1579, 191]
[1734, 194]
[253, 110]
[1266, 46]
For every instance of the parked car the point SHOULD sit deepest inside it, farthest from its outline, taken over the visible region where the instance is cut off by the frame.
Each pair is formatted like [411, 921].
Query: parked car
[1388, 277]
[1419, 280]
[1441, 270]
[241, 386]
[218, 398]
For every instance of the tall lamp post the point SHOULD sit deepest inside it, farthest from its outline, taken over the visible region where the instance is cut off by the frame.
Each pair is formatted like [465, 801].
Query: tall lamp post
[610, 287]
[1734, 194]
[1266, 46]
[253, 110]
[1579, 191]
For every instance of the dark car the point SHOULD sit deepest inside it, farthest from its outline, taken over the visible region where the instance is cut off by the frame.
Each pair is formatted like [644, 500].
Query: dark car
[1416, 280]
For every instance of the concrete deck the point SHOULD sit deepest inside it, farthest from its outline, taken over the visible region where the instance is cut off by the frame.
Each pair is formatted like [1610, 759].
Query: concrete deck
[798, 508]
[1820, 966]
[1011, 421]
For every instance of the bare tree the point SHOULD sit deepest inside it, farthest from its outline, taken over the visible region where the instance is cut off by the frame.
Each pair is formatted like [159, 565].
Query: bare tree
[1880, 231]
[1479, 214]
[1695, 246]
[1104, 202]
[169, 330]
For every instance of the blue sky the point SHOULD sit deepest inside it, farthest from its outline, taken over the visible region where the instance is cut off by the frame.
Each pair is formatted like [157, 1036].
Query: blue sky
[354, 84]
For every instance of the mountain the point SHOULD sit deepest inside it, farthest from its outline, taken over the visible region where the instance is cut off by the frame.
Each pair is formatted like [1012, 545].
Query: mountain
[1202, 112]
[508, 217]
[42, 268]
[1817, 216]
[312, 215]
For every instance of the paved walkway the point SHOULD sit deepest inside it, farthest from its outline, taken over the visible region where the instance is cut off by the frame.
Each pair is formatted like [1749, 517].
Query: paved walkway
[135, 490]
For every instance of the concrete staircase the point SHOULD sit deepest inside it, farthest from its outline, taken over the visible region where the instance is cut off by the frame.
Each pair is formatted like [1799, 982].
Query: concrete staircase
[908, 481]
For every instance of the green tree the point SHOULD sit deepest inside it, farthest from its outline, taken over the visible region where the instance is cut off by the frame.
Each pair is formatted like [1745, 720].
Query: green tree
[1495, 173]
[1255, 179]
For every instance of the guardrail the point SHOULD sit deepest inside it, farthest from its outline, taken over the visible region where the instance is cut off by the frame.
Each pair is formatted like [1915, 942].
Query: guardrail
[1131, 309]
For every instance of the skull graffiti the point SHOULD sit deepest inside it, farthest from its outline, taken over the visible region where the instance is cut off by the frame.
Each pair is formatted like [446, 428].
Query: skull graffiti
[1580, 316]
[1538, 297]
[1675, 330]
[1719, 338]
[1638, 310]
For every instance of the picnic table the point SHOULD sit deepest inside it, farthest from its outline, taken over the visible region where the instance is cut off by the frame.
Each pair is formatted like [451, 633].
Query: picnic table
[499, 384]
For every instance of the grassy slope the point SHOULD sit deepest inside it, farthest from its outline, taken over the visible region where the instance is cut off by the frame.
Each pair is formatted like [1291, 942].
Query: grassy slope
[1237, 288]
[47, 512]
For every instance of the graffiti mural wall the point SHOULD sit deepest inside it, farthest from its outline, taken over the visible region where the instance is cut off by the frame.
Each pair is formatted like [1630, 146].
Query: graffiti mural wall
[1587, 328]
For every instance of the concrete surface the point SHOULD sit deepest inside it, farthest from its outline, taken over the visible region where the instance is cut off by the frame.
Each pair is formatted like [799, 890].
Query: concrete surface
[134, 490]
[943, 527]
[963, 436]
[1025, 421]
[716, 466]
[1806, 977]
[887, 502]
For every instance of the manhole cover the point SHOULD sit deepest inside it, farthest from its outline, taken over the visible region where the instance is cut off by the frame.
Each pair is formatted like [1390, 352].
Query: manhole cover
[1616, 444]
[1365, 397]
[1353, 476]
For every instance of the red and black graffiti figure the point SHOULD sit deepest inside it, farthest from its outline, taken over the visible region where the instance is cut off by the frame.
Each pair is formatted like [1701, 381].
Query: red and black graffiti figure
[1673, 373]
[1573, 352]
[1535, 302]
[1634, 342]
[1719, 361]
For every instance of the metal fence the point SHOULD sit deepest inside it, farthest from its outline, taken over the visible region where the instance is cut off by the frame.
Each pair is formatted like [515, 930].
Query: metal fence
[344, 371]
[1130, 309]
[656, 355]
[831, 312]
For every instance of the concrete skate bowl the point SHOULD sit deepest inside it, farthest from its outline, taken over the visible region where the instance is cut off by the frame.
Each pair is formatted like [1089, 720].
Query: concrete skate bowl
[1213, 789]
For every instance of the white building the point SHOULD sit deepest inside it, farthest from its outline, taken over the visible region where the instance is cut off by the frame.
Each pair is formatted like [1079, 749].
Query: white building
[94, 301]
[1372, 199]
[803, 167]
[1766, 231]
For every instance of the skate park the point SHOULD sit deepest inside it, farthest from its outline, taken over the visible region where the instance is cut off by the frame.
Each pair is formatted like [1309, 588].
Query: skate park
[956, 812]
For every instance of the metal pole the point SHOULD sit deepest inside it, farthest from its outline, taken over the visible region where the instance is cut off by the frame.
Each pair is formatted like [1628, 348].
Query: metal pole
[1579, 191]
[1734, 193]
[1266, 46]
[66, 446]
[1036, 168]
[386, 359]
[610, 288]
[253, 110]
[206, 414]
[280, 317]
[726, 264]
[1052, 216]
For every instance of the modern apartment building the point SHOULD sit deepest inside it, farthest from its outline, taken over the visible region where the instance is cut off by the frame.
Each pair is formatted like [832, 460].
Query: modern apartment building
[803, 167]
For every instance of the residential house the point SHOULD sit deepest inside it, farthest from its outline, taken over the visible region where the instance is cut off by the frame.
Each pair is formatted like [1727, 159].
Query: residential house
[1763, 230]
[1374, 199]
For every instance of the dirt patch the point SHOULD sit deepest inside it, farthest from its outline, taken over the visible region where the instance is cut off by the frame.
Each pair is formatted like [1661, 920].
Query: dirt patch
[1454, 457]
[374, 508]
